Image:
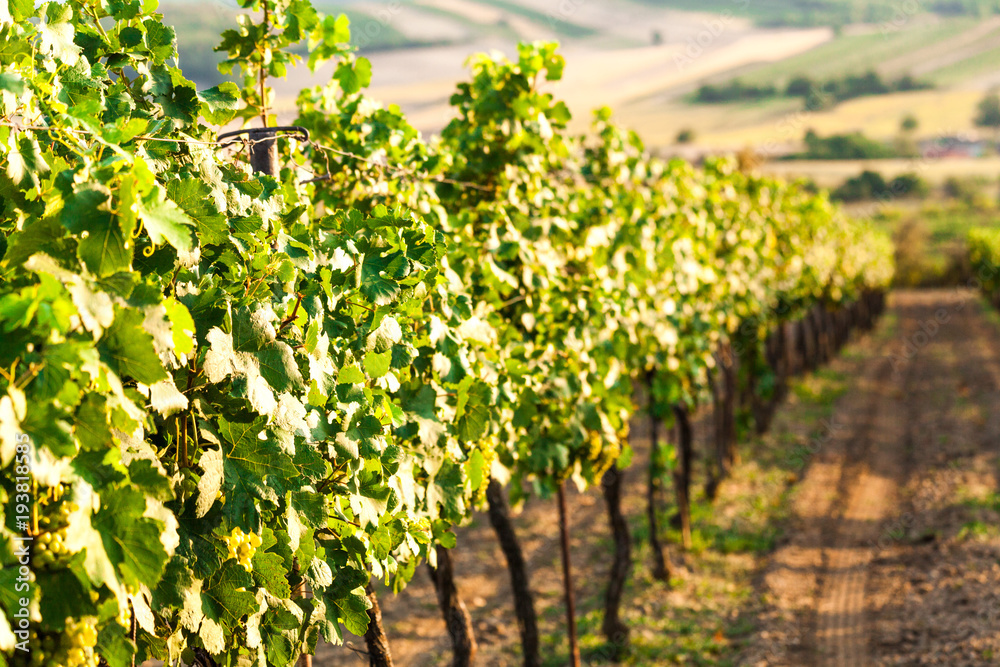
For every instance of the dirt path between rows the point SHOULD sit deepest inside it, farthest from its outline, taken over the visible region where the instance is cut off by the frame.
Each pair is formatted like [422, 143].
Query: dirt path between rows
[892, 553]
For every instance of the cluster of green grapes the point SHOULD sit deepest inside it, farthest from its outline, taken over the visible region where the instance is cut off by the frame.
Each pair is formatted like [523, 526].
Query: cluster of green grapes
[602, 455]
[54, 511]
[242, 546]
[72, 648]
[488, 448]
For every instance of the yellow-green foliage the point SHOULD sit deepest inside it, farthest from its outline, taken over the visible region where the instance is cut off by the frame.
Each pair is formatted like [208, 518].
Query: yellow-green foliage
[984, 256]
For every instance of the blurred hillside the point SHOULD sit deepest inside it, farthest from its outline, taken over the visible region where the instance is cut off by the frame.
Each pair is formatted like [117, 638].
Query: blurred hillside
[784, 63]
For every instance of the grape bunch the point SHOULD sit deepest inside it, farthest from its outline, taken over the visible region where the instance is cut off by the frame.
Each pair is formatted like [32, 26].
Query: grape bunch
[242, 546]
[604, 455]
[488, 448]
[50, 543]
[72, 648]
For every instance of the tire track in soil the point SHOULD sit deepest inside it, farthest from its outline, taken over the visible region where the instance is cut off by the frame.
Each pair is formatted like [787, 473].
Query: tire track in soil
[886, 432]
[932, 596]
[797, 576]
[874, 466]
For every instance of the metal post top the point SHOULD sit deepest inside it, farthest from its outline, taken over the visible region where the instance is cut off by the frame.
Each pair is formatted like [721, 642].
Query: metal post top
[256, 133]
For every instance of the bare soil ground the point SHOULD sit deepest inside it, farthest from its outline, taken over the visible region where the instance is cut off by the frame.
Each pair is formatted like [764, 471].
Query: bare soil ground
[892, 554]
[887, 547]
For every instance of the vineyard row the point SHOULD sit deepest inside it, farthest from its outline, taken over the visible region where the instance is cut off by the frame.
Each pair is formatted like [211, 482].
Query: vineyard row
[238, 385]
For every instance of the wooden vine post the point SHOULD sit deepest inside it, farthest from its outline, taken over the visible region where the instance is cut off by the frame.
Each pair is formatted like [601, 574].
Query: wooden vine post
[615, 630]
[682, 476]
[574, 648]
[524, 605]
[728, 453]
[661, 566]
[264, 160]
[375, 638]
[456, 615]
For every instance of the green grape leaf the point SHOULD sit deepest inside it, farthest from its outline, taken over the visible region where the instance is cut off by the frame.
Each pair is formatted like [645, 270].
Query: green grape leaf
[125, 9]
[350, 374]
[128, 349]
[220, 103]
[269, 571]
[354, 76]
[370, 507]
[250, 463]
[182, 327]
[279, 649]
[147, 475]
[353, 610]
[225, 598]
[476, 469]
[195, 198]
[173, 587]
[131, 541]
[21, 10]
[63, 596]
[473, 409]
[114, 645]
[25, 162]
[165, 221]
[160, 40]
[210, 484]
[381, 543]
[213, 635]
[278, 367]
[102, 244]
[56, 32]
[311, 507]
[377, 363]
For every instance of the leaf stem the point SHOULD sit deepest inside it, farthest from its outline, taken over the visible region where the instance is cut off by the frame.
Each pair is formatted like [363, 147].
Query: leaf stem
[291, 318]
[351, 303]
[97, 22]
[184, 440]
[194, 430]
[33, 370]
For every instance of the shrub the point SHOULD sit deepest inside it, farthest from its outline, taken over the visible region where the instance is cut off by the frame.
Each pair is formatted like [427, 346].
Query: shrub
[867, 185]
[851, 146]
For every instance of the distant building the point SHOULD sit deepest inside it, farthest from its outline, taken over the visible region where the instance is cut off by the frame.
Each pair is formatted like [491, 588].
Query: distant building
[954, 146]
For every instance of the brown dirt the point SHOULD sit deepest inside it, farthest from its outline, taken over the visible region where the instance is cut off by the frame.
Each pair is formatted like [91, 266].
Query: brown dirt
[877, 569]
